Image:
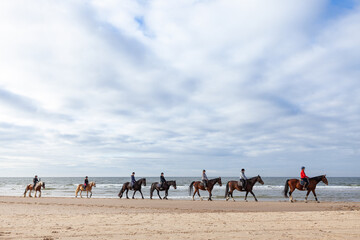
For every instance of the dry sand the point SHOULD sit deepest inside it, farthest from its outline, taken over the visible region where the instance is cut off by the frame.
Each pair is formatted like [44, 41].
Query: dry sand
[69, 218]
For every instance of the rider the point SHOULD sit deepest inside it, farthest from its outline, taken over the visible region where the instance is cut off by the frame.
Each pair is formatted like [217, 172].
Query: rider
[86, 182]
[162, 180]
[243, 178]
[204, 179]
[133, 181]
[304, 178]
[35, 181]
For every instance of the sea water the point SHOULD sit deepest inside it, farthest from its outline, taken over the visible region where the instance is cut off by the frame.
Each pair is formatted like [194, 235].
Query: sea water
[339, 188]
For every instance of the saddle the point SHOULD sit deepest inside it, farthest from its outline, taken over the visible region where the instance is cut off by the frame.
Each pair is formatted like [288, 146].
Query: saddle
[302, 182]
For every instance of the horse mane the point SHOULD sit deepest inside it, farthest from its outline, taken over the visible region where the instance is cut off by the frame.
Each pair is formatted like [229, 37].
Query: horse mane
[317, 178]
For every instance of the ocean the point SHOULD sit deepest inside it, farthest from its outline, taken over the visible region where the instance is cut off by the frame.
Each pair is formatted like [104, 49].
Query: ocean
[339, 188]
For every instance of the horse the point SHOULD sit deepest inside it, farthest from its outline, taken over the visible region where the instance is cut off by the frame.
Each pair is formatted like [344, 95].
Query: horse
[234, 185]
[80, 188]
[137, 187]
[37, 188]
[295, 184]
[166, 186]
[199, 186]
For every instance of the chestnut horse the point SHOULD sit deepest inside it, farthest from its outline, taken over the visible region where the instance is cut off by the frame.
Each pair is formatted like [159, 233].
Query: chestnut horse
[234, 185]
[199, 186]
[37, 188]
[295, 184]
[137, 187]
[88, 189]
[166, 186]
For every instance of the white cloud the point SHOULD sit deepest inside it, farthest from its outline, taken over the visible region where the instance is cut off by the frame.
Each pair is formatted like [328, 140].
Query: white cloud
[176, 86]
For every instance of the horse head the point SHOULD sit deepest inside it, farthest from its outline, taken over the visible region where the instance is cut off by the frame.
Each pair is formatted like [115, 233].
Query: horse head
[219, 181]
[143, 181]
[324, 179]
[172, 183]
[259, 179]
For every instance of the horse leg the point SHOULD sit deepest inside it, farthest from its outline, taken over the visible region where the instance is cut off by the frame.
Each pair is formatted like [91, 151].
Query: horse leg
[290, 196]
[201, 198]
[247, 192]
[158, 192]
[232, 196]
[253, 196]
[307, 194]
[315, 196]
[193, 198]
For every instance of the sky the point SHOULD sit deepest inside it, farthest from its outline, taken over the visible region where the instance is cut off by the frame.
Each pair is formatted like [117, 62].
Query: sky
[104, 88]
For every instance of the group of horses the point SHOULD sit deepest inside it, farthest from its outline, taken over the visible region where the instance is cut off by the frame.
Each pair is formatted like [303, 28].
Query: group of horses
[231, 186]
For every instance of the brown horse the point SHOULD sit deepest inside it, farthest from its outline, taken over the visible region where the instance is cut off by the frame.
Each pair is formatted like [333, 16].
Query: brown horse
[295, 184]
[234, 185]
[137, 187]
[199, 186]
[88, 189]
[37, 188]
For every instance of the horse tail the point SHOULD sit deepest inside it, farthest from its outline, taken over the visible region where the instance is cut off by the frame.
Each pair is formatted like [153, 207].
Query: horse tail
[286, 189]
[77, 189]
[227, 189]
[26, 189]
[191, 187]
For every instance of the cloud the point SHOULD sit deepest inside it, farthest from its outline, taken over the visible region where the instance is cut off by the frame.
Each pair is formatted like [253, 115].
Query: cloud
[105, 88]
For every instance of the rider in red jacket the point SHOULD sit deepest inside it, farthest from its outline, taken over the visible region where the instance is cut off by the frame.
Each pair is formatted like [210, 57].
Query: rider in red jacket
[304, 178]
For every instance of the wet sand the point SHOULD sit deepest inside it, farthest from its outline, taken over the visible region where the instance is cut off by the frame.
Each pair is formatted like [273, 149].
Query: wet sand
[70, 218]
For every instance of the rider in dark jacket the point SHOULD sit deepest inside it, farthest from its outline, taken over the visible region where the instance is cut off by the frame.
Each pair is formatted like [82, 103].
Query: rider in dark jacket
[35, 181]
[133, 180]
[204, 179]
[162, 180]
[86, 182]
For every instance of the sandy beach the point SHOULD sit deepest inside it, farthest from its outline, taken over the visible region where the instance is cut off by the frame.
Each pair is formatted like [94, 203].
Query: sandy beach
[70, 218]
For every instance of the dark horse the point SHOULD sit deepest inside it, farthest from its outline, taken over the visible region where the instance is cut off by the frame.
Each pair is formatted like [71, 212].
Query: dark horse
[199, 186]
[166, 186]
[234, 185]
[137, 187]
[295, 184]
